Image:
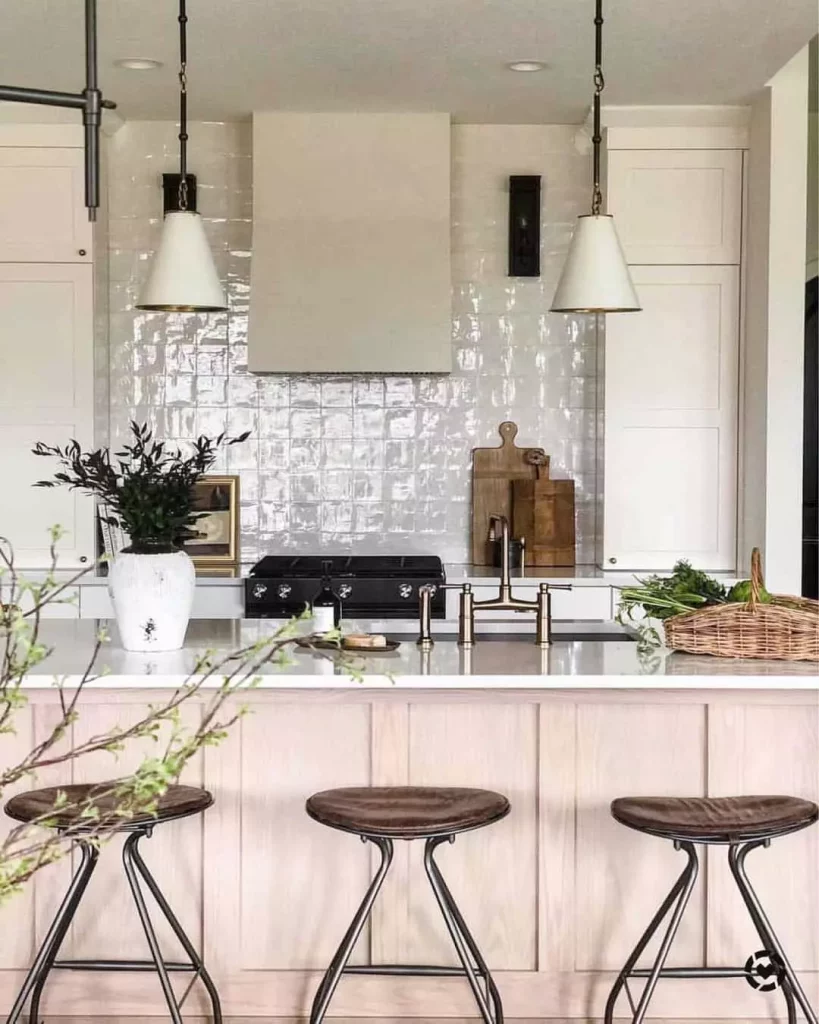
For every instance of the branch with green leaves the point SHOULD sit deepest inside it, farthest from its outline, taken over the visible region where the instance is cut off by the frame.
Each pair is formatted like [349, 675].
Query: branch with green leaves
[217, 683]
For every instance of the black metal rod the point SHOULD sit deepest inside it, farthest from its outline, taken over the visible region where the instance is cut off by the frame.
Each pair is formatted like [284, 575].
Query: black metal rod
[118, 965]
[597, 135]
[407, 970]
[147, 926]
[622, 978]
[339, 962]
[197, 964]
[736, 861]
[38, 974]
[183, 105]
[455, 933]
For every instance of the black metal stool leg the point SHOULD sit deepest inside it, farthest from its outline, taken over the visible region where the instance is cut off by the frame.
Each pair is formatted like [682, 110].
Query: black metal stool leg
[458, 935]
[483, 970]
[736, 860]
[681, 893]
[178, 930]
[147, 926]
[339, 962]
[47, 954]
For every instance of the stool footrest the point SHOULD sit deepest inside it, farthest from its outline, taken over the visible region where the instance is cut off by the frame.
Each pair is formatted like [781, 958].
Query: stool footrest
[408, 970]
[692, 972]
[119, 965]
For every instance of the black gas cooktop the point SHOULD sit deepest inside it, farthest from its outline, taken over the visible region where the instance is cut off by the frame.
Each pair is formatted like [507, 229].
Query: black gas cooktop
[370, 586]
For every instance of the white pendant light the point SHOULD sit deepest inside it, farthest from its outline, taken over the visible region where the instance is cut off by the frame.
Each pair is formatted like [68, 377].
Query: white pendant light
[596, 277]
[183, 277]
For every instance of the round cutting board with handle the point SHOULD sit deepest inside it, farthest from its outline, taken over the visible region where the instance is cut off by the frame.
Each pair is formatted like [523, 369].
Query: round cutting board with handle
[493, 470]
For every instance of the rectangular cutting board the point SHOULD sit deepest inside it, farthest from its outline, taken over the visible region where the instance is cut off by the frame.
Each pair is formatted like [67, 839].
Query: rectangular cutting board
[493, 470]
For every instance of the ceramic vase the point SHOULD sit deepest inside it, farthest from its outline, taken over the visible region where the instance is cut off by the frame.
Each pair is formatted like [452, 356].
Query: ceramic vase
[152, 595]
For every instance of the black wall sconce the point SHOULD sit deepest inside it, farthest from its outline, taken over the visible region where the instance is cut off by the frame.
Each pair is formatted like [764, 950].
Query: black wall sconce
[524, 225]
[170, 192]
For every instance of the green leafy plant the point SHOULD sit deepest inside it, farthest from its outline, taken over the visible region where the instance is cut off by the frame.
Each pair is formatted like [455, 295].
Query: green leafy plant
[660, 597]
[147, 486]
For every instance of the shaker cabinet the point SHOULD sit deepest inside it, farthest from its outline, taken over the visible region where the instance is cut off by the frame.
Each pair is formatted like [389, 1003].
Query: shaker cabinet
[46, 394]
[671, 377]
[46, 338]
[42, 206]
[671, 421]
[677, 206]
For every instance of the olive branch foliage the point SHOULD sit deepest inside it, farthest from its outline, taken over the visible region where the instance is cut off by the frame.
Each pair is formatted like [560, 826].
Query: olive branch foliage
[147, 485]
[214, 683]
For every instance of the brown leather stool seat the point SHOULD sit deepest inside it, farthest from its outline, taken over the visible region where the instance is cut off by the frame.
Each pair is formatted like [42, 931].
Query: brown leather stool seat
[729, 819]
[407, 812]
[176, 802]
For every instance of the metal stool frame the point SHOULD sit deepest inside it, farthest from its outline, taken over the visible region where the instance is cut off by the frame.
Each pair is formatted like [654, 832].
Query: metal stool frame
[135, 869]
[473, 967]
[678, 898]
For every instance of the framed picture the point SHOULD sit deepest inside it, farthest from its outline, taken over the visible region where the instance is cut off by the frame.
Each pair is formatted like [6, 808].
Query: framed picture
[216, 539]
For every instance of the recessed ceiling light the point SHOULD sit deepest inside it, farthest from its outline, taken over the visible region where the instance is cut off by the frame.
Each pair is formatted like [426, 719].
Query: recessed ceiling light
[527, 65]
[138, 63]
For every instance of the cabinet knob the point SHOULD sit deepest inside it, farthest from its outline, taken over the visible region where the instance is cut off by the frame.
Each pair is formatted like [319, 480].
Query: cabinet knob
[613, 561]
[83, 559]
[81, 252]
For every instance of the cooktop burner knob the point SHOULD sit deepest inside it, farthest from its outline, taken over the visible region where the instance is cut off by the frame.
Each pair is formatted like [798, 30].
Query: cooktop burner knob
[284, 590]
[405, 591]
[344, 591]
[259, 590]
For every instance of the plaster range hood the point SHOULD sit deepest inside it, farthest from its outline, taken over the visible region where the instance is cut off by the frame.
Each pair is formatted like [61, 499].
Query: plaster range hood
[351, 253]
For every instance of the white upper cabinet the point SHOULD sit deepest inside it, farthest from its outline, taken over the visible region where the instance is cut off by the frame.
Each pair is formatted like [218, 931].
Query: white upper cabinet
[671, 421]
[46, 394]
[677, 206]
[42, 206]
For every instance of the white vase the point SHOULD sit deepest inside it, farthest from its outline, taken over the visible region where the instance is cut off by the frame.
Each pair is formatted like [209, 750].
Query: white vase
[152, 596]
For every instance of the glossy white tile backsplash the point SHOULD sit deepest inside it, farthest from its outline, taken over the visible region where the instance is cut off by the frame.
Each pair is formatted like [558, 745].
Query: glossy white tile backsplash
[371, 464]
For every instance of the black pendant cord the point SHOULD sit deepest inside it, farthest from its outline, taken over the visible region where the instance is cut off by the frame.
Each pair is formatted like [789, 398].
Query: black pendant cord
[599, 85]
[183, 106]
[90, 101]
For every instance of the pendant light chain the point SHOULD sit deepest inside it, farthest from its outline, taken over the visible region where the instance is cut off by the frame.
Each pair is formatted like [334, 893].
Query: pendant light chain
[599, 86]
[183, 106]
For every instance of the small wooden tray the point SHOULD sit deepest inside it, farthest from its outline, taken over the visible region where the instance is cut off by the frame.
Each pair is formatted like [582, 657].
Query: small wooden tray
[308, 643]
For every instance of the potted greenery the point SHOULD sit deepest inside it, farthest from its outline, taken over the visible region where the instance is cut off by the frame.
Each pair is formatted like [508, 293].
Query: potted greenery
[148, 491]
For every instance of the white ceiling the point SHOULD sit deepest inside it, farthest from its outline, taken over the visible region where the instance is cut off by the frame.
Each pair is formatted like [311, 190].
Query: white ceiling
[446, 55]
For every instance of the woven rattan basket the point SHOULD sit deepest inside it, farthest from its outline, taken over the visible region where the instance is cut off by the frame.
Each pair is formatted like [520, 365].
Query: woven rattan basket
[787, 629]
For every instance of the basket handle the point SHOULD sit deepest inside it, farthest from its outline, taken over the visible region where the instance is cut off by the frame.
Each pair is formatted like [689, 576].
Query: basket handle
[756, 578]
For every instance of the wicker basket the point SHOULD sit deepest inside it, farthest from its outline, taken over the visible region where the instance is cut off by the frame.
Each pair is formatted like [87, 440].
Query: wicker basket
[787, 629]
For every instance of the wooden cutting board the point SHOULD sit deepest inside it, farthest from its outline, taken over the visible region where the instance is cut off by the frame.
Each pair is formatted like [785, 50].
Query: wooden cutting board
[543, 513]
[493, 470]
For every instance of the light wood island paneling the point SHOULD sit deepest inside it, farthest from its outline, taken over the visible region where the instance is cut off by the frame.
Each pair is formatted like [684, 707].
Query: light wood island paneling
[556, 894]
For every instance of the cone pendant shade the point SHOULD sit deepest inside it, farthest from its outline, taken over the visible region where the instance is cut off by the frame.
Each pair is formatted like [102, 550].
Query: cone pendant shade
[183, 277]
[595, 277]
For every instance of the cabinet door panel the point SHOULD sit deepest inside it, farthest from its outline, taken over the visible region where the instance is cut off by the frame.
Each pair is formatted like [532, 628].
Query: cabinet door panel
[46, 394]
[677, 206]
[671, 421]
[759, 749]
[43, 218]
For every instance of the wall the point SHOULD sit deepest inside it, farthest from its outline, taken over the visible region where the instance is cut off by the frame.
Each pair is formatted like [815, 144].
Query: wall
[375, 463]
[775, 325]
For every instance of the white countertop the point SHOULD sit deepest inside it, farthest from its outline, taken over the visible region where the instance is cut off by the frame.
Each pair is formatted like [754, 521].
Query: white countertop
[493, 664]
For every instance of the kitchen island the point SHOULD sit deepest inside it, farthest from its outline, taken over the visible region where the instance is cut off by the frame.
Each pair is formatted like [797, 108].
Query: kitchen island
[556, 894]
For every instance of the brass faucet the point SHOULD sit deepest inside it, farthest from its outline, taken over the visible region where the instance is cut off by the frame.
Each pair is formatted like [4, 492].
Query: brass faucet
[505, 601]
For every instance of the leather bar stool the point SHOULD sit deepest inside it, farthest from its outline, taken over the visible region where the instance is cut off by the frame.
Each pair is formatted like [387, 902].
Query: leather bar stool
[435, 815]
[741, 824]
[177, 802]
